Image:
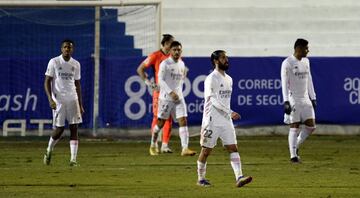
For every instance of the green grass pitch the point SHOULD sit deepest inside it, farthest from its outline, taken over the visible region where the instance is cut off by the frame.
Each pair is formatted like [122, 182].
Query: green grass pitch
[330, 168]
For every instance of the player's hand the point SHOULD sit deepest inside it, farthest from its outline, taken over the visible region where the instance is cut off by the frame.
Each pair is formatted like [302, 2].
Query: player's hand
[82, 110]
[152, 85]
[155, 86]
[287, 107]
[52, 104]
[186, 71]
[235, 116]
[174, 96]
[314, 103]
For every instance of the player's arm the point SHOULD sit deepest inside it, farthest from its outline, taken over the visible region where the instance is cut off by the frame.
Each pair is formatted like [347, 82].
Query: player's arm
[220, 106]
[78, 92]
[78, 87]
[143, 75]
[48, 91]
[284, 86]
[141, 72]
[285, 80]
[211, 89]
[50, 72]
[186, 71]
[163, 84]
[311, 90]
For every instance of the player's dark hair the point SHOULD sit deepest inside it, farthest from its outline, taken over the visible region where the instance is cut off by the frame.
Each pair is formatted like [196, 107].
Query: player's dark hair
[215, 56]
[175, 44]
[300, 43]
[166, 38]
[67, 41]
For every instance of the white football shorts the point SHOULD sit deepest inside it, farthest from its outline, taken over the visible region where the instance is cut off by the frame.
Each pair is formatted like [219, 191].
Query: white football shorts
[167, 108]
[301, 111]
[210, 134]
[66, 110]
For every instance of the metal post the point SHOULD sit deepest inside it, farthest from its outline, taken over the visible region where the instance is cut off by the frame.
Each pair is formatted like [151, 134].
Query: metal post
[159, 24]
[96, 69]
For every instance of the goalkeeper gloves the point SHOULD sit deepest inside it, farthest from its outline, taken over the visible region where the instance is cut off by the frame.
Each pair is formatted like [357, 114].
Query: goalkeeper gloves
[287, 107]
[152, 85]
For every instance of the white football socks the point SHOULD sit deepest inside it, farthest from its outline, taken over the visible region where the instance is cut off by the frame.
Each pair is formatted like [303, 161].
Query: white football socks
[292, 138]
[201, 169]
[154, 135]
[235, 162]
[184, 137]
[51, 144]
[305, 132]
[164, 146]
[74, 149]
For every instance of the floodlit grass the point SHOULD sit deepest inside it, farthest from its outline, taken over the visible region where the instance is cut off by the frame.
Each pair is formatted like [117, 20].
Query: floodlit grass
[330, 168]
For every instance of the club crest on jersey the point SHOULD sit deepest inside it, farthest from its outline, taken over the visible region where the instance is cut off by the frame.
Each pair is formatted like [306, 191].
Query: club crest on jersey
[73, 69]
[221, 85]
[60, 68]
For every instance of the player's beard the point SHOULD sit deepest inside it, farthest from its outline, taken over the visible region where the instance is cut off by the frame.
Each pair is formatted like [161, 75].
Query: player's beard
[224, 66]
[66, 54]
[176, 57]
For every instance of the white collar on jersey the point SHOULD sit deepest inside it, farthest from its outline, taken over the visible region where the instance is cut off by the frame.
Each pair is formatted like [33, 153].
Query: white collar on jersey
[63, 60]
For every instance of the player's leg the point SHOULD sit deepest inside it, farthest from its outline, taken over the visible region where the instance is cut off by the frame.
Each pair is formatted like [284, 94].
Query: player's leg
[166, 136]
[154, 148]
[228, 136]
[58, 125]
[208, 139]
[307, 130]
[166, 132]
[235, 162]
[295, 120]
[292, 139]
[308, 115]
[184, 137]
[180, 113]
[74, 144]
[74, 118]
[54, 139]
[164, 109]
[201, 167]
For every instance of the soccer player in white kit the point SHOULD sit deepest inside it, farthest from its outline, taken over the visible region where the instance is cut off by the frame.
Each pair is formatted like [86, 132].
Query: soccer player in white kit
[299, 97]
[63, 89]
[172, 73]
[217, 120]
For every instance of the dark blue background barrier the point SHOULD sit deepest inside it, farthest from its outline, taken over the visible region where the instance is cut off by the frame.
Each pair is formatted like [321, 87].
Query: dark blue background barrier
[22, 94]
[126, 102]
[256, 91]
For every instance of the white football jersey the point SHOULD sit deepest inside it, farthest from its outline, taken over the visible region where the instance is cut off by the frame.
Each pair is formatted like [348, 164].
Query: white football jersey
[171, 78]
[296, 79]
[64, 74]
[217, 95]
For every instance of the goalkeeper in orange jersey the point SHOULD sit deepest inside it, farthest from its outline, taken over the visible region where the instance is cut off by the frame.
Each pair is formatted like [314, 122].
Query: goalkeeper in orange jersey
[153, 61]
